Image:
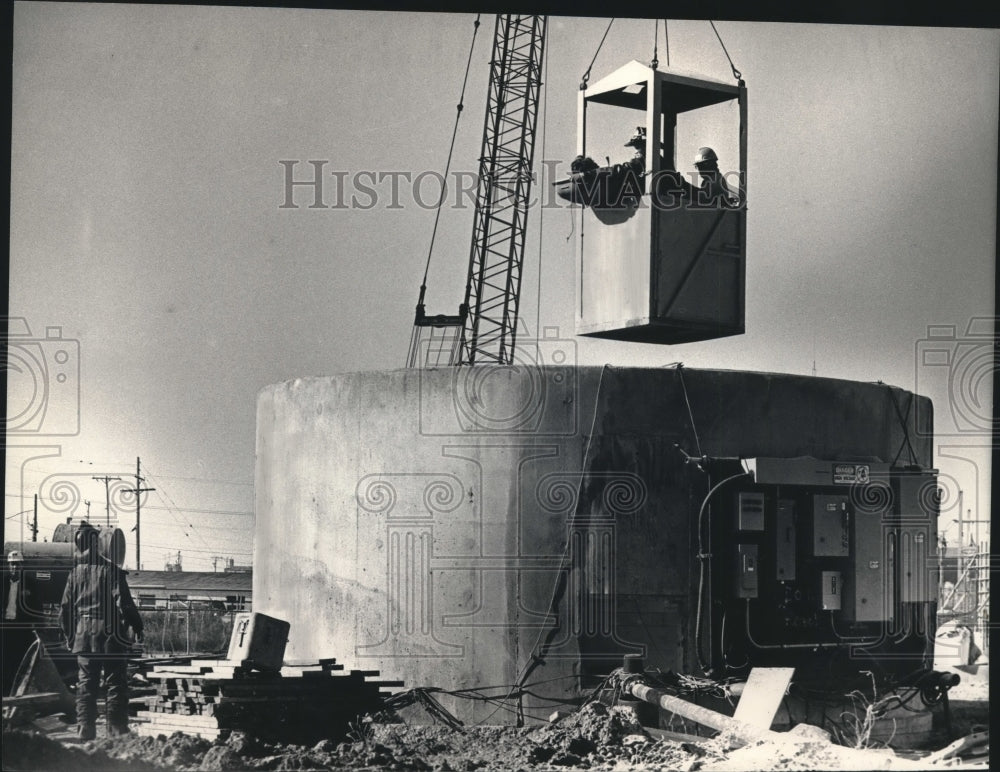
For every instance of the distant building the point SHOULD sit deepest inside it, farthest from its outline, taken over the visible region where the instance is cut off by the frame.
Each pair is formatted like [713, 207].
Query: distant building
[233, 590]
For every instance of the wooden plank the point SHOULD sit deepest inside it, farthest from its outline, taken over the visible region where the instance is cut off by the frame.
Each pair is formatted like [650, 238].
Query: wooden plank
[41, 698]
[762, 695]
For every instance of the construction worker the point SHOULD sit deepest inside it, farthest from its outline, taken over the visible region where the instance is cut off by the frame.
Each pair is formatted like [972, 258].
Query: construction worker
[637, 141]
[96, 609]
[713, 191]
[617, 186]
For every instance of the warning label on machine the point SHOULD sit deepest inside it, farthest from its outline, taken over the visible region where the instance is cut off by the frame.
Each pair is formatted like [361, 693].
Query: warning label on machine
[851, 474]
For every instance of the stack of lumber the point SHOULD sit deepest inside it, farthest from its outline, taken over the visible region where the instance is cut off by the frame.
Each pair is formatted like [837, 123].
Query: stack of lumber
[302, 703]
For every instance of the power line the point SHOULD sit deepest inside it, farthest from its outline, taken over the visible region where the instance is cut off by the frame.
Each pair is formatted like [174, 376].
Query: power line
[173, 503]
[233, 512]
[193, 549]
[202, 479]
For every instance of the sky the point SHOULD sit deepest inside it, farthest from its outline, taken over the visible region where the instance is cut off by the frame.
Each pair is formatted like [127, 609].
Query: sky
[151, 224]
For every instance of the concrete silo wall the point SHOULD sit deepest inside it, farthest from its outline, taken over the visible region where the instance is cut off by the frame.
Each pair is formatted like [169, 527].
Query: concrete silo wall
[479, 526]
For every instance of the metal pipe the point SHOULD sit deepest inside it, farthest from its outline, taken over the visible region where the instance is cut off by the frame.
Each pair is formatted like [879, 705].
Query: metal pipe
[866, 640]
[741, 730]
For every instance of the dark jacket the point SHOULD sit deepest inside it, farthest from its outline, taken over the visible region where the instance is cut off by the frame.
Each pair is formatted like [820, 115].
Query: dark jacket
[97, 607]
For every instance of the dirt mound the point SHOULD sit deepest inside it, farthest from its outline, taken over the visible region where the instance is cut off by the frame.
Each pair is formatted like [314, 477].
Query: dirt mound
[31, 751]
[595, 738]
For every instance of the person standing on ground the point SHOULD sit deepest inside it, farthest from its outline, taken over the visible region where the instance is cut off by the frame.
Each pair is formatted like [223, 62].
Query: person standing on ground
[97, 607]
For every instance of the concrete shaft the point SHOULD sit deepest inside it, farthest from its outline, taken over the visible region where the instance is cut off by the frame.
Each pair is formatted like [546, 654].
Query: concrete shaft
[467, 527]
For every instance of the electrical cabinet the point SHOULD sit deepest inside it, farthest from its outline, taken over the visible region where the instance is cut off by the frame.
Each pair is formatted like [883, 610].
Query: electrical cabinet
[824, 554]
[868, 589]
[784, 538]
[751, 511]
[831, 586]
[831, 521]
[917, 498]
[746, 571]
[915, 567]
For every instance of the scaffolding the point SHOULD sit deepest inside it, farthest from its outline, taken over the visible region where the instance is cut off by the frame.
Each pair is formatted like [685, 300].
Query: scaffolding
[967, 602]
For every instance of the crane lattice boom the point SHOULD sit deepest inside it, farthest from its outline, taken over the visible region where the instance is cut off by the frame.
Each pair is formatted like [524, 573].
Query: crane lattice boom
[485, 329]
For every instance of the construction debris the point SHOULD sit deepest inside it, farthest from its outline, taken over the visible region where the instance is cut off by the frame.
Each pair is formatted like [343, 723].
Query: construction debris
[301, 703]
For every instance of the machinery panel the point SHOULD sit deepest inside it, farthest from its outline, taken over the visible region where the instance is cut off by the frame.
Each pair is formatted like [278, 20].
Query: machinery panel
[830, 526]
[915, 572]
[784, 562]
[868, 588]
[751, 511]
[831, 590]
[746, 571]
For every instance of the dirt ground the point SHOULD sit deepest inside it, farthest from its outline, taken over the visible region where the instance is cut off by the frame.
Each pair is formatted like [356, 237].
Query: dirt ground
[594, 738]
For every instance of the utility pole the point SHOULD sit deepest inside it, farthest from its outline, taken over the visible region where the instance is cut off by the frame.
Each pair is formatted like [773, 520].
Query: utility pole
[107, 495]
[34, 524]
[138, 491]
[961, 531]
[88, 509]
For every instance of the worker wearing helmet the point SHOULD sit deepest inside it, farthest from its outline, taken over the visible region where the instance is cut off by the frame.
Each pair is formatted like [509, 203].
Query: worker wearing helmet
[21, 604]
[96, 609]
[638, 142]
[713, 191]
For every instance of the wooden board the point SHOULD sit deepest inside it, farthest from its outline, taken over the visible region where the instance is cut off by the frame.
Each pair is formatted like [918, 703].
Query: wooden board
[762, 695]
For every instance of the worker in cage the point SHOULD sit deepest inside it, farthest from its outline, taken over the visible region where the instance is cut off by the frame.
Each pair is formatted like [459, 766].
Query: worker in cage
[713, 191]
[670, 190]
[619, 187]
[613, 191]
[96, 615]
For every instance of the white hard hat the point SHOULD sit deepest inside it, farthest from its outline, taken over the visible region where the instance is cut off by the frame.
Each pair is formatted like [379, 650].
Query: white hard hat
[14, 556]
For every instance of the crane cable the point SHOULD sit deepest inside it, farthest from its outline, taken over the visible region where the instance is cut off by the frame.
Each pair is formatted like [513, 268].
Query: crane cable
[656, 30]
[451, 148]
[541, 209]
[586, 75]
[666, 41]
[736, 73]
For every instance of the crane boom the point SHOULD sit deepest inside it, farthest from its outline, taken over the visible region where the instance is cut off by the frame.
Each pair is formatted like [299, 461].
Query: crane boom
[485, 329]
[493, 289]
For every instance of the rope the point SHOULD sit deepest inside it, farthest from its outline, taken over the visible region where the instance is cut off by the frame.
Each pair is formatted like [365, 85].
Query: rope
[586, 75]
[451, 149]
[736, 73]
